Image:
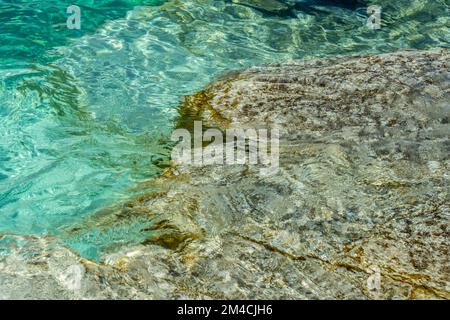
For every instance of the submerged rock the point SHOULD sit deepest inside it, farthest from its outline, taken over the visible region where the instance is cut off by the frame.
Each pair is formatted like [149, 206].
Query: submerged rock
[363, 186]
[359, 208]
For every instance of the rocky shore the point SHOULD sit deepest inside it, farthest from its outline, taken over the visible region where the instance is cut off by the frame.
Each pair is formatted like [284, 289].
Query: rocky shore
[359, 209]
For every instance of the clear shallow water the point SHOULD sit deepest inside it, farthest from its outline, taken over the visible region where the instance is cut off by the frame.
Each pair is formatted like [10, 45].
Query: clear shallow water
[84, 115]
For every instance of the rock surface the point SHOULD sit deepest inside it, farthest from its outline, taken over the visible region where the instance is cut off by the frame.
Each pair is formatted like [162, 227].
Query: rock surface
[359, 209]
[266, 5]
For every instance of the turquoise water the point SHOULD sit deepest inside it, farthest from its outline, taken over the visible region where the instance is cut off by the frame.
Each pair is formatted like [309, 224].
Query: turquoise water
[85, 114]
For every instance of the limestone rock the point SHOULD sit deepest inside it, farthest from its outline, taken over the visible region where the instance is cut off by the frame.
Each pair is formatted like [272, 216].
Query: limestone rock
[358, 210]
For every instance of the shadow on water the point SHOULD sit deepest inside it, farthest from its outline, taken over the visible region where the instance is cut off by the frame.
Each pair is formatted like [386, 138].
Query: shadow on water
[290, 8]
